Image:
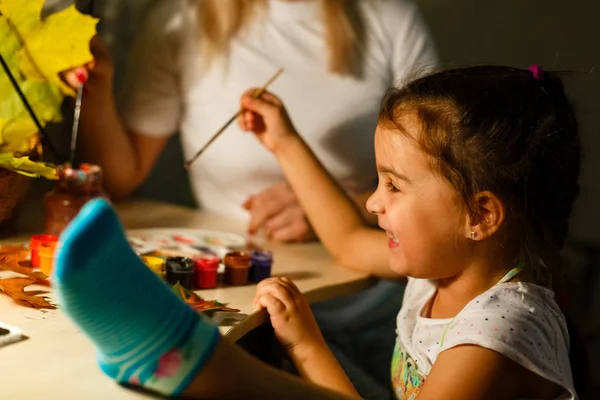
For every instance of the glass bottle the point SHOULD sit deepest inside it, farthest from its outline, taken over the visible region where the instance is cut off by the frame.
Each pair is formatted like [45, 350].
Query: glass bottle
[75, 187]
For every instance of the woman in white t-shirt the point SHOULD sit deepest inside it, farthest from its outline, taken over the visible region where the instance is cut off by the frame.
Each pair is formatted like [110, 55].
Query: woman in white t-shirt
[193, 59]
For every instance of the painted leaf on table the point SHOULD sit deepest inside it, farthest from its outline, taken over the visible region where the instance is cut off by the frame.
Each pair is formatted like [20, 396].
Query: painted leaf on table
[197, 302]
[15, 288]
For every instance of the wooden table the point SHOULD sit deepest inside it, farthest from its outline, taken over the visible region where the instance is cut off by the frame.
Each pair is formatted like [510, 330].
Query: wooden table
[57, 361]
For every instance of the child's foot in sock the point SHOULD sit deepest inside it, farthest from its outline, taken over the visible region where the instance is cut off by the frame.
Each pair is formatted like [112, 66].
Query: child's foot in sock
[144, 334]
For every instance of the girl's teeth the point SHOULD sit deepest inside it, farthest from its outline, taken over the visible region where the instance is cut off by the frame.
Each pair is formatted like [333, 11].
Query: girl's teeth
[393, 237]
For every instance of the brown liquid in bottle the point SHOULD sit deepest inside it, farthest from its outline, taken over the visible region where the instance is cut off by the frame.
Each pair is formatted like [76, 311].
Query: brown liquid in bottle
[76, 186]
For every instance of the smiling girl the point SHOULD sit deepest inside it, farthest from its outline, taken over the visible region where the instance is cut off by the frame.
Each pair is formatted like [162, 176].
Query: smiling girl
[478, 171]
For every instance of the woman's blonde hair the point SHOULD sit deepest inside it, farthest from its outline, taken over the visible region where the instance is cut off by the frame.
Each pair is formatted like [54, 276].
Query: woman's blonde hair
[221, 20]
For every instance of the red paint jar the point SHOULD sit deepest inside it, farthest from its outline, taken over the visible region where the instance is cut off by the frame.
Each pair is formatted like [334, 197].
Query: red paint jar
[206, 272]
[34, 245]
[237, 268]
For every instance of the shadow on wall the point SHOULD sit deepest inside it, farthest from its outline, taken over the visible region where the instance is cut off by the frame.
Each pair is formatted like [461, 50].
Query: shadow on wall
[556, 34]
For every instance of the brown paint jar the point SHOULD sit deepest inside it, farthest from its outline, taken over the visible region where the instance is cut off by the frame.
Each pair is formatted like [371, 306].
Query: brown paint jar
[76, 186]
[237, 268]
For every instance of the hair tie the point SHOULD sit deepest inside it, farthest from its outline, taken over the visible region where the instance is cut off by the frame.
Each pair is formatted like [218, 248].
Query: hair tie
[537, 71]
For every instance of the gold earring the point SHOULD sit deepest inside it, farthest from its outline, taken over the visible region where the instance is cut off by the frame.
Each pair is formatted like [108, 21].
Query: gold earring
[473, 234]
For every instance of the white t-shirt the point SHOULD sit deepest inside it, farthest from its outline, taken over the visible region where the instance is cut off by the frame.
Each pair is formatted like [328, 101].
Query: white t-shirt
[518, 320]
[167, 91]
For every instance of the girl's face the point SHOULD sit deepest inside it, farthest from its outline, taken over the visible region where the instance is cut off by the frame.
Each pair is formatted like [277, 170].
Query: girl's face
[423, 216]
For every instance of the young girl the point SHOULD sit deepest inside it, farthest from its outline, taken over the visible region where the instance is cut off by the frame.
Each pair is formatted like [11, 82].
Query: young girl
[478, 170]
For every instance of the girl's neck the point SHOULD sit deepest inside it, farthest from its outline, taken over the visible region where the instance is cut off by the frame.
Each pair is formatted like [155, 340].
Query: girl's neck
[453, 294]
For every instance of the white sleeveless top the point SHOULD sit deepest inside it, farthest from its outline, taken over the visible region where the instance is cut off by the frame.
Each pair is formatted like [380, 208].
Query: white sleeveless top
[518, 320]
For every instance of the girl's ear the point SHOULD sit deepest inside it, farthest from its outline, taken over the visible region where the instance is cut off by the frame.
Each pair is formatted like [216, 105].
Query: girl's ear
[491, 214]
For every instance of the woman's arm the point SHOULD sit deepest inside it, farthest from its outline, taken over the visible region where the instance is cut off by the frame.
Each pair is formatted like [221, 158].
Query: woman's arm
[126, 157]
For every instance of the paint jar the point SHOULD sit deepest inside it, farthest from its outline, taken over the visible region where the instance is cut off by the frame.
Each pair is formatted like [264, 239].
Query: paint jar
[156, 264]
[46, 257]
[76, 186]
[206, 272]
[237, 268]
[180, 269]
[261, 265]
[34, 245]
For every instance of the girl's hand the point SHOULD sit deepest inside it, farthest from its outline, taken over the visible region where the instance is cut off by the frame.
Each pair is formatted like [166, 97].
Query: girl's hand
[267, 118]
[291, 317]
[97, 74]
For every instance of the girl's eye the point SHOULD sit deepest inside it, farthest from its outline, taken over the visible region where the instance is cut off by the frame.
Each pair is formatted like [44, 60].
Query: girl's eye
[391, 187]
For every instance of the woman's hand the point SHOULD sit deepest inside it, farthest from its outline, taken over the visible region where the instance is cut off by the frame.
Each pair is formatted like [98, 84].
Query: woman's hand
[97, 74]
[276, 212]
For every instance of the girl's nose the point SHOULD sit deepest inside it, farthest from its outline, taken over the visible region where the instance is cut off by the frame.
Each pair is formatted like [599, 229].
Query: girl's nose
[375, 204]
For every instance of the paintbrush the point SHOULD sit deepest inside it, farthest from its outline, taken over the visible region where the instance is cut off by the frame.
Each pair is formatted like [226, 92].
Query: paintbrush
[75, 129]
[27, 105]
[233, 118]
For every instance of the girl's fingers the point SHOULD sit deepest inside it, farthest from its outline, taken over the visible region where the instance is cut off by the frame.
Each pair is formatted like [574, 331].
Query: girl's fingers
[273, 305]
[270, 98]
[291, 286]
[278, 290]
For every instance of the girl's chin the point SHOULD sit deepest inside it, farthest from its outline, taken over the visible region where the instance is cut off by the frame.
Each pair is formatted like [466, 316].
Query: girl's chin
[399, 266]
[406, 269]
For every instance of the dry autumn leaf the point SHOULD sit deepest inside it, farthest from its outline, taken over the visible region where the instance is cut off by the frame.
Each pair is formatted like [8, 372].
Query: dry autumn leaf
[12, 258]
[15, 288]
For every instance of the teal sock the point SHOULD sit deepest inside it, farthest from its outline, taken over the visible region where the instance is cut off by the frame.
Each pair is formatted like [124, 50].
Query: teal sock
[144, 334]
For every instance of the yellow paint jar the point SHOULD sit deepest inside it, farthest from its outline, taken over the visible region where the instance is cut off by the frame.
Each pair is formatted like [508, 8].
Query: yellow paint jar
[46, 253]
[156, 264]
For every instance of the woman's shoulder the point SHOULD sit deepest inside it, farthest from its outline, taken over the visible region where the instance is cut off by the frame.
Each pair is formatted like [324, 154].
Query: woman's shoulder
[170, 17]
[391, 11]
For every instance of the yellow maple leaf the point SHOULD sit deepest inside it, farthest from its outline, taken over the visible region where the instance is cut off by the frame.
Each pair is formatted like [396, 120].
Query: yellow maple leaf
[53, 45]
[36, 51]
[24, 166]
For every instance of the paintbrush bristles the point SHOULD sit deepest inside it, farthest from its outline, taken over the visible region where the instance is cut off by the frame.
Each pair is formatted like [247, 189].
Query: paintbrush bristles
[232, 119]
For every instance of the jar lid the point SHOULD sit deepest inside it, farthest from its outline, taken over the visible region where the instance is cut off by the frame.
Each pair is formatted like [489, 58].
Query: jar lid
[262, 257]
[207, 262]
[86, 178]
[154, 263]
[37, 240]
[180, 264]
[238, 259]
